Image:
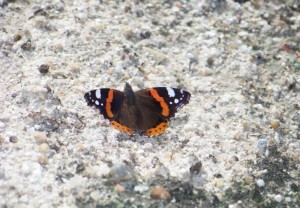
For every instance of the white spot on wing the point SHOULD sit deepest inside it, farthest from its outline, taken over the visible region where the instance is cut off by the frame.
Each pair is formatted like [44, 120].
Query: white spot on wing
[98, 93]
[176, 101]
[171, 92]
[97, 103]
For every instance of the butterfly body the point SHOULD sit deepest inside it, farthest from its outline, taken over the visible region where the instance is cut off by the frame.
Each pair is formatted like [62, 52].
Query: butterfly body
[143, 112]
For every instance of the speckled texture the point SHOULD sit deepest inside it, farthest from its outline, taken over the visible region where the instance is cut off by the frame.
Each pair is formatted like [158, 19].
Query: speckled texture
[235, 143]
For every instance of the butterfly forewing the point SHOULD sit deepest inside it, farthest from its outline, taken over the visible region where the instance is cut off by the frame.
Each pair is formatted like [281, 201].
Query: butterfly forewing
[107, 101]
[167, 99]
[172, 98]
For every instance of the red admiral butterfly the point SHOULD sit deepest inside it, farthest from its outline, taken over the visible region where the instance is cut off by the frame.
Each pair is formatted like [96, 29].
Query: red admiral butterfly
[145, 112]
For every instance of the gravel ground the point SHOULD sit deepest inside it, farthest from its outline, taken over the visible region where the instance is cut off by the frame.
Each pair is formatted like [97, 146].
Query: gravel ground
[236, 144]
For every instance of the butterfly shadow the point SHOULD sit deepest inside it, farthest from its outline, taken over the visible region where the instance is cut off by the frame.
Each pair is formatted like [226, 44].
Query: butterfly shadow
[161, 139]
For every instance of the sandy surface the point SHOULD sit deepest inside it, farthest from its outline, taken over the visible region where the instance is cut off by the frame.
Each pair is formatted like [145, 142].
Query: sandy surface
[236, 143]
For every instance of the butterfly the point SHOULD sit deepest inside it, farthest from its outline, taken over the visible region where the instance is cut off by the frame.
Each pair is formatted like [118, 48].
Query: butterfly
[144, 112]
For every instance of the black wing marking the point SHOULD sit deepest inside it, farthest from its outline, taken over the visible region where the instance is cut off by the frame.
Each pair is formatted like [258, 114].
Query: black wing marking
[107, 101]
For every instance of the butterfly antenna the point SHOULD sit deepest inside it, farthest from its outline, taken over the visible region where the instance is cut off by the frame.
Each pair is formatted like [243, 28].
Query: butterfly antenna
[138, 68]
[122, 79]
[135, 74]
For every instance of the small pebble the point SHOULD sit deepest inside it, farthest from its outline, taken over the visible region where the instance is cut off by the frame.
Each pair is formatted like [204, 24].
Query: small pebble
[40, 137]
[156, 54]
[196, 168]
[2, 139]
[295, 187]
[96, 195]
[89, 172]
[145, 35]
[37, 127]
[127, 9]
[141, 188]
[248, 179]
[44, 68]
[2, 125]
[80, 147]
[43, 160]
[219, 196]
[210, 61]
[17, 37]
[246, 125]
[27, 46]
[75, 68]
[26, 169]
[178, 4]
[260, 182]
[80, 168]
[206, 71]
[121, 173]
[13, 139]
[44, 148]
[198, 181]
[275, 124]
[278, 198]
[237, 136]
[119, 188]
[262, 146]
[276, 138]
[218, 175]
[160, 193]
[59, 6]
[219, 182]
[128, 33]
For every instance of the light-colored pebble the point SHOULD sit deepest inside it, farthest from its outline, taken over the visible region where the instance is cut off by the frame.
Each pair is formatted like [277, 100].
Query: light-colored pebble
[119, 188]
[275, 124]
[40, 137]
[141, 188]
[219, 182]
[278, 198]
[121, 173]
[156, 54]
[74, 67]
[288, 199]
[80, 146]
[95, 195]
[43, 160]
[160, 193]
[44, 148]
[2, 125]
[260, 182]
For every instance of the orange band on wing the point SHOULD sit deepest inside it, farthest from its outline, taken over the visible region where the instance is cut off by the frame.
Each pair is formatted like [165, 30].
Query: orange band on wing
[120, 127]
[160, 128]
[163, 104]
[108, 103]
